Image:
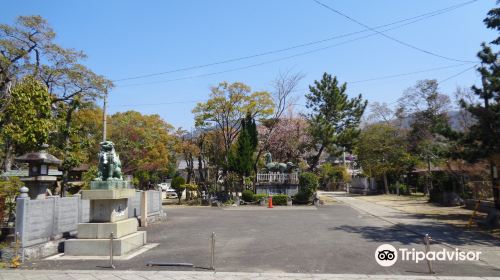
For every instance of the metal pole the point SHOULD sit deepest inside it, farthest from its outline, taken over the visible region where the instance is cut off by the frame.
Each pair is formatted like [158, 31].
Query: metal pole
[104, 117]
[212, 249]
[427, 239]
[111, 237]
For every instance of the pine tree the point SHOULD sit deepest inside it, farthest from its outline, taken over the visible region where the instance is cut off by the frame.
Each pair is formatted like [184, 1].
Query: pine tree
[335, 118]
[482, 140]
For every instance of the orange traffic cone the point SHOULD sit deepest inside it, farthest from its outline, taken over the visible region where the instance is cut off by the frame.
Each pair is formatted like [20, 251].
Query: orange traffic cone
[270, 205]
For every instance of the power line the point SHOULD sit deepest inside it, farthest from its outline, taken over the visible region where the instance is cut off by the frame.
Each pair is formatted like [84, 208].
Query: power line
[161, 103]
[353, 82]
[387, 36]
[413, 19]
[407, 74]
[269, 61]
[458, 74]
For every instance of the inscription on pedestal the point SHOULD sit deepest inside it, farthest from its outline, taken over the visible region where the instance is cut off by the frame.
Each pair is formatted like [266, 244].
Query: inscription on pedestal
[108, 210]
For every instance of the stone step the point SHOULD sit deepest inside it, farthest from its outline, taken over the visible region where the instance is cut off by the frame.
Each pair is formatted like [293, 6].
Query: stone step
[103, 230]
[100, 247]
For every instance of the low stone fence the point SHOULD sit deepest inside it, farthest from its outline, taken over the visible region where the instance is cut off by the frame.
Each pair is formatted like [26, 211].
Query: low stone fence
[42, 223]
[363, 185]
[155, 211]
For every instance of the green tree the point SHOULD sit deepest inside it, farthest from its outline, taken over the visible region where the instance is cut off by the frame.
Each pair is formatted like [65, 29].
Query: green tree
[329, 173]
[222, 114]
[28, 48]
[482, 139]
[9, 189]
[242, 156]
[430, 132]
[381, 150]
[179, 185]
[26, 119]
[334, 119]
[143, 143]
[22, 47]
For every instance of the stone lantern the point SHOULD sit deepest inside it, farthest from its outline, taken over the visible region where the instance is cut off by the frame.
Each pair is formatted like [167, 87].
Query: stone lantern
[38, 179]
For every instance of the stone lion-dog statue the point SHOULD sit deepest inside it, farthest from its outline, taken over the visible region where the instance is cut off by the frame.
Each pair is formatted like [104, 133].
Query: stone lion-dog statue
[110, 167]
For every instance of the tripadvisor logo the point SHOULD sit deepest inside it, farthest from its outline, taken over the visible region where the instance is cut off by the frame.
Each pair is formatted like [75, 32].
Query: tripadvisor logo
[387, 255]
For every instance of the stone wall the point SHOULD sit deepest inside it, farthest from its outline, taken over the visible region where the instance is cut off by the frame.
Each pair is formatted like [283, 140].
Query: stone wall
[43, 222]
[155, 211]
[363, 185]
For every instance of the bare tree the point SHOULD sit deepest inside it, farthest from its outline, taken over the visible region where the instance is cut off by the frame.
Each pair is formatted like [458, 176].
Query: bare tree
[464, 94]
[284, 87]
[380, 112]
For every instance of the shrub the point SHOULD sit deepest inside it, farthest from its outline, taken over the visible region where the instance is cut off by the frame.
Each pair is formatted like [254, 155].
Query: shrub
[247, 195]
[302, 197]
[178, 184]
[280, 199]
[308, 183]
[257, 197]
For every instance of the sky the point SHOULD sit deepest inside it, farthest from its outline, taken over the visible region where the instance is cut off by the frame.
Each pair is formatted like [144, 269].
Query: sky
[125, 39]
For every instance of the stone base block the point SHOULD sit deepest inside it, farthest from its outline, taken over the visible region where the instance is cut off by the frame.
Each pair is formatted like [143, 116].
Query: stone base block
[100, 247]
[108, 210]
[104, 230]
[108, 194]
[109, 185]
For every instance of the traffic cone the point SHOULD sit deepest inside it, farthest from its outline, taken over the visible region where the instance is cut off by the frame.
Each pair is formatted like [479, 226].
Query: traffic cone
[270, 200]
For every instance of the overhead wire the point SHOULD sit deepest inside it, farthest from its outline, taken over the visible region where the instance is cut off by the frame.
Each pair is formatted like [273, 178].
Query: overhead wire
[388, 36]
[412, 19]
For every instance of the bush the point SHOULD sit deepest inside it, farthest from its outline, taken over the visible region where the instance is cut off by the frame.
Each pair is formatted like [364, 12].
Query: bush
[178, 184]
[247, 195]
[302, 197]
[403, 189]
[308, 183]
[280, 199]
[257, 197]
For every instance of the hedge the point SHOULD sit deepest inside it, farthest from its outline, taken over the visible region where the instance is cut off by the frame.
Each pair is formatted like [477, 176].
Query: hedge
[280, 199]
[257, 197]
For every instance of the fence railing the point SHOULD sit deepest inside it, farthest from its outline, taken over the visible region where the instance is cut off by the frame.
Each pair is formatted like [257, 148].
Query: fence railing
[277, 177]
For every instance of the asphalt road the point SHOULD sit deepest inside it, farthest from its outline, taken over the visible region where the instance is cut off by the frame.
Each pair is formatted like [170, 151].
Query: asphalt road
[329, 239]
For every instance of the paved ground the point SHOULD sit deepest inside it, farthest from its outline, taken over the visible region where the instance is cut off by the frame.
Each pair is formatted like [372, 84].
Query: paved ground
[448, 235]
[338, 239]
[171, 275]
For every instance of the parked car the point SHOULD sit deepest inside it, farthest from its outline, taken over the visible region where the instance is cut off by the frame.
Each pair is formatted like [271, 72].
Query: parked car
[164, 186]
[171, 194]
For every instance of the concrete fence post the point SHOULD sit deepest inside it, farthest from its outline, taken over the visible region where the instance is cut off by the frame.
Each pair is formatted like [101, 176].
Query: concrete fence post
[144, 209]
[55, 218]
[78, 198]
[22, 205]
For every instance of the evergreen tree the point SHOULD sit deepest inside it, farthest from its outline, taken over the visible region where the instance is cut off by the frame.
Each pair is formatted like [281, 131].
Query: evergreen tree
[242, 155]
[334, 120]
[482, 140]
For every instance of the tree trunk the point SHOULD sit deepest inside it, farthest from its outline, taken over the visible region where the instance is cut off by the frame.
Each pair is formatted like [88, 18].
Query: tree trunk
[200, 169]
[494, 184]
[429, 179]
[67, 144]
[315, 160]
[386, 186]
[9, 156]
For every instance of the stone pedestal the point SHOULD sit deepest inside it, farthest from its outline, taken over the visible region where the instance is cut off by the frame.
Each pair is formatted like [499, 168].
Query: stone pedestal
[108, 214]
[38, 185]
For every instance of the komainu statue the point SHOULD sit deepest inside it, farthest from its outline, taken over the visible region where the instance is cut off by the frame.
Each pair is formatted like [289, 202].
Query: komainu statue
[110, 167]
[278, 166]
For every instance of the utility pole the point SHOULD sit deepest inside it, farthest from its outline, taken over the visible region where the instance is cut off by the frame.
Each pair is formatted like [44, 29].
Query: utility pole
[104, 117]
